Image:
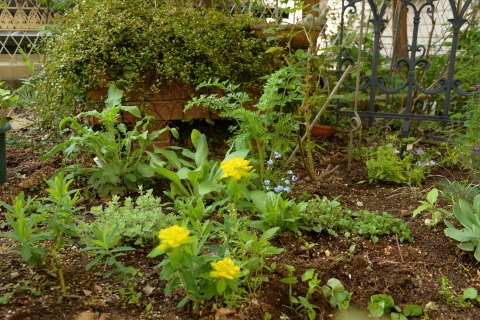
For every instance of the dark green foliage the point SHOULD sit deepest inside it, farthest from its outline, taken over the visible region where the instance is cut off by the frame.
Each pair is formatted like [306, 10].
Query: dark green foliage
[332, 217]
[132, 39]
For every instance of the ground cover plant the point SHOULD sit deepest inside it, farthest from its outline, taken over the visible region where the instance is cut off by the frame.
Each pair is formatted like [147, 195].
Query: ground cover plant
[110, 226]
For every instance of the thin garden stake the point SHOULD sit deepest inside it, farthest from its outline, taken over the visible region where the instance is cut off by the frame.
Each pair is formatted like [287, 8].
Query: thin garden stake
[325, 105]
[356, 122]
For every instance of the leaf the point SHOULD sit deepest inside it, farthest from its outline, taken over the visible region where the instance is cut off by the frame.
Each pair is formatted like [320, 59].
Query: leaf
[335, 284]
[174, 178]
[208, 186]
[375, 309]
[145, 170]
[133, 110]
[267, 235]
[432, 196]
[420, 209]
[115, 96]
[308, 274]
[413, 310]
[459, 235]
[289, 280]
[201, 154]
[221, 286]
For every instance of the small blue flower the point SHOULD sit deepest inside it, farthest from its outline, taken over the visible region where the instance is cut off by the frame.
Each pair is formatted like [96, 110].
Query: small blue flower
[266, 182]
[294, 178]
[270, 162]
[287, 189]
[267, 188]
[396, 151]
[276, 154]
[282, 179]
[290, 172]
[432, 163]
[278, 189]
[287, 181]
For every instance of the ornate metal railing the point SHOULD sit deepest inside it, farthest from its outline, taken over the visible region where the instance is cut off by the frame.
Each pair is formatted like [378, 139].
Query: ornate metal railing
[20, 25]
[413, 58]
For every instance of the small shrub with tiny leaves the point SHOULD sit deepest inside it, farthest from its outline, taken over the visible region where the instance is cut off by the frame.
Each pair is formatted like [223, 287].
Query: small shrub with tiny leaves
[138, 221]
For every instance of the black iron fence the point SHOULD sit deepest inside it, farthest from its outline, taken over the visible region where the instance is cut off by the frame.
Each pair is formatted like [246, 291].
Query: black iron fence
[400, 76]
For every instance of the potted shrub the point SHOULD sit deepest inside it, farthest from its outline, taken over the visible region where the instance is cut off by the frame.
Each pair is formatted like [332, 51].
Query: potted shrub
[6, 98]
[150, 43]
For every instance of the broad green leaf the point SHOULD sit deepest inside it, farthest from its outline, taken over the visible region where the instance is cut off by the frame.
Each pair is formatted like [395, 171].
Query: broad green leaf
[375, 309]
[201, 153]
[307, 275]
[115, 96]
[459, 235]
[208, 186]
[172, 176]
[413, 310]
[134, 111]
[267, 235]
[221, 286]
[470, 293]
[145, 170]
[335, 284]
[432, 196]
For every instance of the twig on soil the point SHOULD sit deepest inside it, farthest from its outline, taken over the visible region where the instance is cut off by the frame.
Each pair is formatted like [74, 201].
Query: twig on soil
[327, 172]
[399, 249]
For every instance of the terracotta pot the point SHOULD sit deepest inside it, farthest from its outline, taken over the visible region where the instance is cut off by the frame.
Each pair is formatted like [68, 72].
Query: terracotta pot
[296, 33]
[321, 131]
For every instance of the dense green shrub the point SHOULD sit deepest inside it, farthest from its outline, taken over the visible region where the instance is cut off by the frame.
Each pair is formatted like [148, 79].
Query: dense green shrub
[129, 40]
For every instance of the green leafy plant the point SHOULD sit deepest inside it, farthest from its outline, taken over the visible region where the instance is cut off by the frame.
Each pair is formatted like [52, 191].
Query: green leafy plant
[469, 217]
[55, 213]
[322, 214]
[384, 164]
[303, 303]
[456, 190]
[201, 276]
[271, 125]
[136, 221]
[24, 220]
[252, 251]
[456, 301]
[103, 245]
[119, 154]
[383, 304]
[431, 206]
[196, 175]
[336, 293]
[274, 211]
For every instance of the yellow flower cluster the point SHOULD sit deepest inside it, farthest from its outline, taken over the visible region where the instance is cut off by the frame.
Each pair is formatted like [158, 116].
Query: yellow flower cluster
[224, 268]
[174, 236]
[236, 168]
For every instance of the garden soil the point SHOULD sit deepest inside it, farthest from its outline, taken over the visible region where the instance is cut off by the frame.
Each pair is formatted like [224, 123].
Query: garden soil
[409, 272]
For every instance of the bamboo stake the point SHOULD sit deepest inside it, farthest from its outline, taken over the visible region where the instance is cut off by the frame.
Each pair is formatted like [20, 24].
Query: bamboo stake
[325, 105]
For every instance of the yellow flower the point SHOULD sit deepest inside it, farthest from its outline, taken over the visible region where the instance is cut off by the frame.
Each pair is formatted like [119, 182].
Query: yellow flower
[173, 237]
[236, 168]
[224, 268]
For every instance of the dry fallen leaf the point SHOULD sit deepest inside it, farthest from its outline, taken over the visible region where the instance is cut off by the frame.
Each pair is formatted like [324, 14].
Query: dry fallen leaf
[87, 293]
[86, 315]
[148, 289]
